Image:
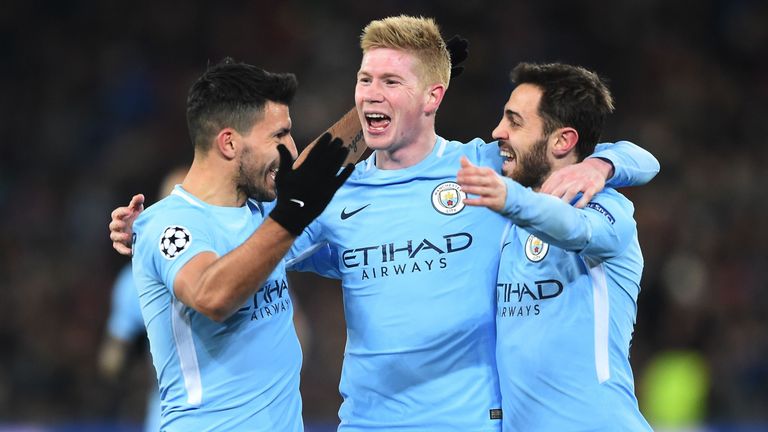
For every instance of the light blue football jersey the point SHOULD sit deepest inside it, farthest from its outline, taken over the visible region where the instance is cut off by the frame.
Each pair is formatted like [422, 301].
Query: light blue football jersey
[418, 271]
[126, 323]
[241, 374]
[566, 307]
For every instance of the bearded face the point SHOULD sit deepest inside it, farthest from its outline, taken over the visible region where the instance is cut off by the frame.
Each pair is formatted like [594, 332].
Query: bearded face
[532, 166]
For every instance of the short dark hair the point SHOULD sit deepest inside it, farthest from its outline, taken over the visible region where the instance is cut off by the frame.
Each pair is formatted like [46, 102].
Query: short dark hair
[571, 96]
[231, 94]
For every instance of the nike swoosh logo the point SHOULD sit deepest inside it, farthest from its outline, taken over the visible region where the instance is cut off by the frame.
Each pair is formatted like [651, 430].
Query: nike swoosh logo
[345, 215]
[300, 203]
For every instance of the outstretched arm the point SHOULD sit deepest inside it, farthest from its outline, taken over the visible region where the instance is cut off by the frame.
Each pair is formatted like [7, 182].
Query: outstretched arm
[620, 164]
[604, 229]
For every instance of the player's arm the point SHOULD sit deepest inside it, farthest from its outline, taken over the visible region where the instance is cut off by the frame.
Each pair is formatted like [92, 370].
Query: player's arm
[620, 164]
[634, 165]
[349, 130]
[551, 219]
[217, 286]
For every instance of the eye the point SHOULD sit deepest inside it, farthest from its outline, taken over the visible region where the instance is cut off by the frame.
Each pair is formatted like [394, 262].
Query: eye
[391, 82]
[363, 80]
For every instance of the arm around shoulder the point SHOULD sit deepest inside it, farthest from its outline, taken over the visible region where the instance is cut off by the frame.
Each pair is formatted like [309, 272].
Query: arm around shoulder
[633, 165]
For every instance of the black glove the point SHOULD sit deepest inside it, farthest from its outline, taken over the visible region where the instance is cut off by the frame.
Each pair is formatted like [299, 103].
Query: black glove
[458, 48]
[303, 193]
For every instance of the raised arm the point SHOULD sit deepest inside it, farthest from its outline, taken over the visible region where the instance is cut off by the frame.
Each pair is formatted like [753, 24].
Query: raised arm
[633, 165]
[217, 286]
[620, 164]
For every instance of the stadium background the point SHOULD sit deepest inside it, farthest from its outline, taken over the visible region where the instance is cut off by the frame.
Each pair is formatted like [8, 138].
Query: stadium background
[92, 112]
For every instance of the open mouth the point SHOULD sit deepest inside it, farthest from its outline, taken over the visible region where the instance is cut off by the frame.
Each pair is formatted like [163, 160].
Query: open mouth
[509, 160]
[377, 122]
[273, 173]
[508, 155]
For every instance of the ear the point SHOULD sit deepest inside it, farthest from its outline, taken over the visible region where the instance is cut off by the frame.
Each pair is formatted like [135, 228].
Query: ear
[434, 97]
[565, 141]
[226, 143]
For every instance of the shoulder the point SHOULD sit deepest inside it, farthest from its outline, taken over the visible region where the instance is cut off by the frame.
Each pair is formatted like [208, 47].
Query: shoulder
[171, 219]
[170, 209]
[480, 152]
[612, 205]
[471, 146]
[612, 195]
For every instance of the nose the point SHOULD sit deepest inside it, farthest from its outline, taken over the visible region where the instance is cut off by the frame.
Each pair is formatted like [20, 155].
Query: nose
[291, 145]
[371, 92]
[500, 132]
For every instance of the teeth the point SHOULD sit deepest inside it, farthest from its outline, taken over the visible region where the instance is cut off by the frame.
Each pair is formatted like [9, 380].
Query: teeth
[375, 116]
[506, 154]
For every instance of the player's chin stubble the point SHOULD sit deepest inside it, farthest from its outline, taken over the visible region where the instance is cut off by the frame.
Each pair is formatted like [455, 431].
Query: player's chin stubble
[532, 167]
[253, 183]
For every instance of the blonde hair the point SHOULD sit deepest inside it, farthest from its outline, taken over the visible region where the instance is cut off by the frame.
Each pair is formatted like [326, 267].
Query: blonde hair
[419, 36]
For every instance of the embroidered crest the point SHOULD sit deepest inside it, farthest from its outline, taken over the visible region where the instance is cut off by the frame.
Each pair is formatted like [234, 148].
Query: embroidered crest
[448, 198]
[535, 249]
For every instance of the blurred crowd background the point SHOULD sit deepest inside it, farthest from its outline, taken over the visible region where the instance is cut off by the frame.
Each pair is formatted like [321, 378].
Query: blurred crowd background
[92, 111]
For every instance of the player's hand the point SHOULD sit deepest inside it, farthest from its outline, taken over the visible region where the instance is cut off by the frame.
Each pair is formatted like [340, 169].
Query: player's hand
[587, 177]
[304, 192]
[485, 183]
[458, 48]
[121, 225]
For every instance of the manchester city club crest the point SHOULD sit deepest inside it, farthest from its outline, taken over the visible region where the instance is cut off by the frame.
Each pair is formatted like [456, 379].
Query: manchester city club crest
[535, 249]
[448, 198]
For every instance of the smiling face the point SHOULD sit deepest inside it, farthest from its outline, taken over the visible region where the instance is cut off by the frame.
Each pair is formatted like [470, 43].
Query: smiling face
[258, 158]
[391, 99]
[521, 141]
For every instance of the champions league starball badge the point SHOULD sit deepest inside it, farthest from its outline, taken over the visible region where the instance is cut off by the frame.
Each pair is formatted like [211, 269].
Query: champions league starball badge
[174, 241]
[448, 198]
[535, 249]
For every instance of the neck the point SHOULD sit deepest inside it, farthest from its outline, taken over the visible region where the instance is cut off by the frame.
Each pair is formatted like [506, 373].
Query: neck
[556, 163]
[408, 154]
[210, 181]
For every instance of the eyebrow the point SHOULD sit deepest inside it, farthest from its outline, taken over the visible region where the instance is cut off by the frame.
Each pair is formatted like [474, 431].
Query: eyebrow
[513, 115]
[281, 131]
[383, 76]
